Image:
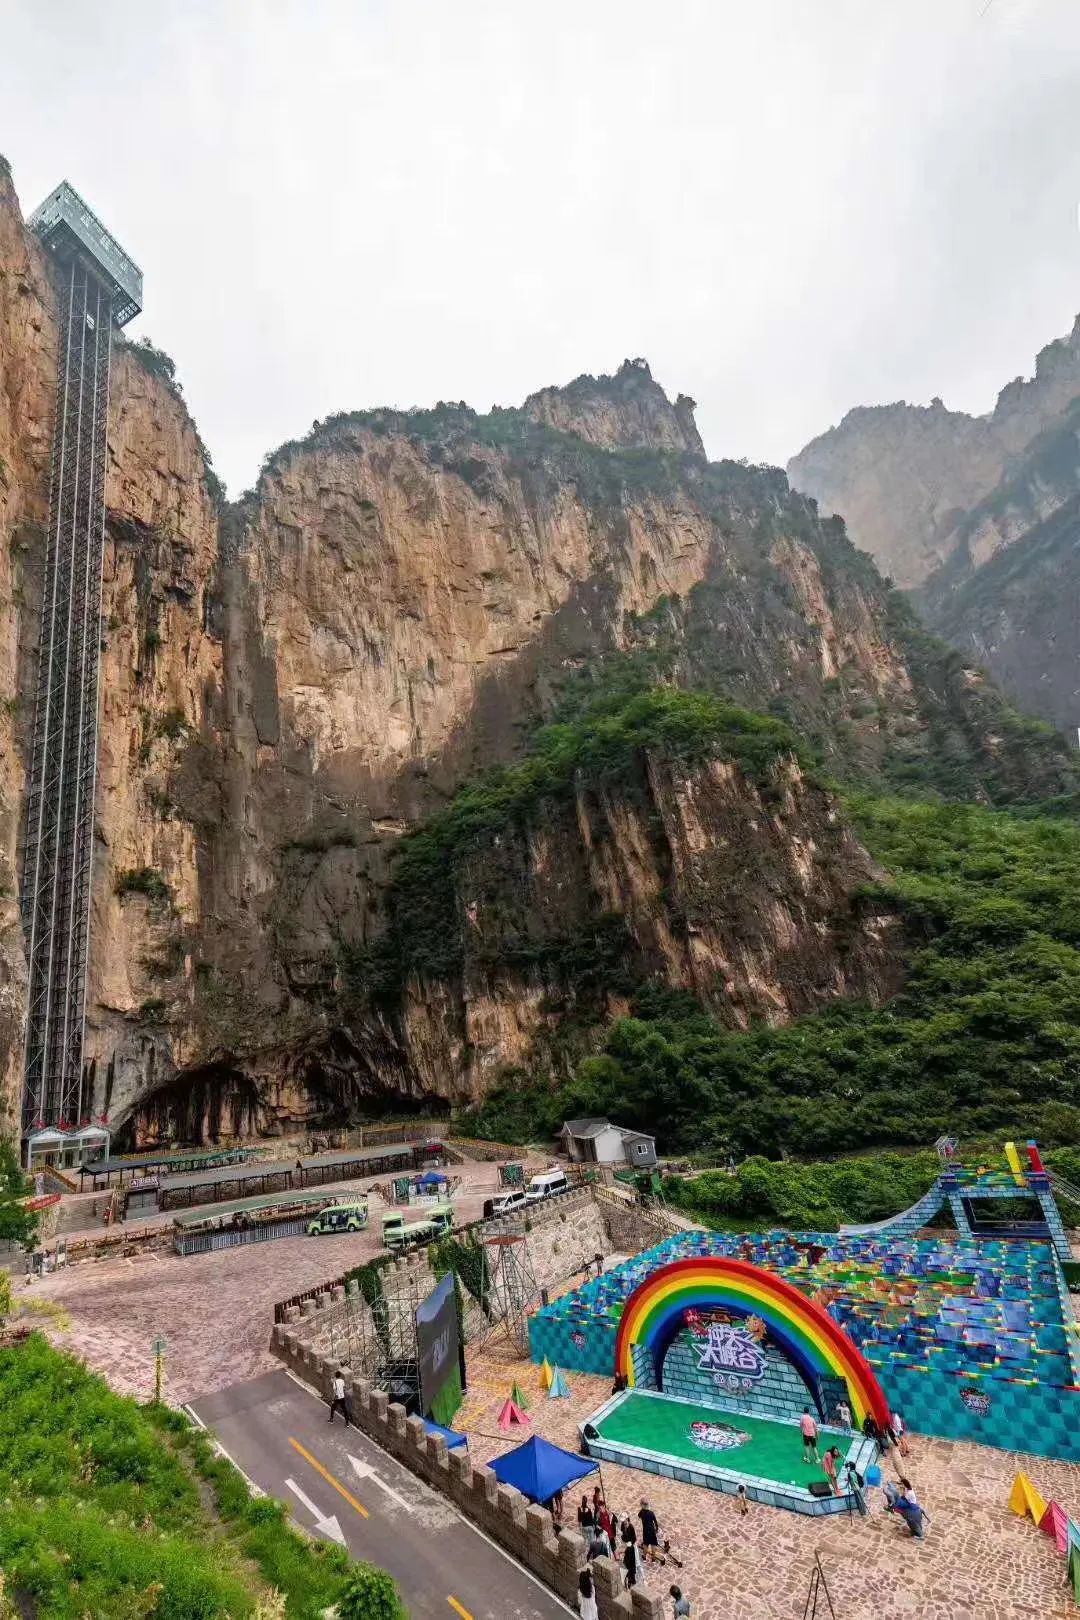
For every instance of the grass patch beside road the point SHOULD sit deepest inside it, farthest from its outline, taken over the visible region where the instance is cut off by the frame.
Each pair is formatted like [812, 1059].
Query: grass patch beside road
[109, 1508]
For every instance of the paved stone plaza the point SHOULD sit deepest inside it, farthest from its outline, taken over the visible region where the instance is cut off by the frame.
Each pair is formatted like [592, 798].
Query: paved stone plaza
[978, 1561]
[215, 1310]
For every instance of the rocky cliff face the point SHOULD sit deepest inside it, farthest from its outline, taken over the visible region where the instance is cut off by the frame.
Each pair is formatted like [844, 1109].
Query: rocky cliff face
[629, 409]
[158, 670]
[291, 684]
[903, 477]
[1011, 596]
[27, 373]
[976, 514]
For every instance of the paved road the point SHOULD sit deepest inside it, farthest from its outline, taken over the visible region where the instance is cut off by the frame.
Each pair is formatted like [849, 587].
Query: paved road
[341, 1484]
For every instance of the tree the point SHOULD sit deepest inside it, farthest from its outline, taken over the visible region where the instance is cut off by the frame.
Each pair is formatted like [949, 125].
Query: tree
[17, 1223]
[370, 1594]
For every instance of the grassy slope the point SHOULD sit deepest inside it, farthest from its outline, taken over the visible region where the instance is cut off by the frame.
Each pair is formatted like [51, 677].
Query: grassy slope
[105, 1509]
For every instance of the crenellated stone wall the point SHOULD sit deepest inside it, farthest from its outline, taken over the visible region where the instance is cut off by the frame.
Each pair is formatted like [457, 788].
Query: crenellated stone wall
[522, 1528]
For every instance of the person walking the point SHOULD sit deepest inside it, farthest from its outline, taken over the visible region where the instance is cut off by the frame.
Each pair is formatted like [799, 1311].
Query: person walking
[630, 1564]
[680, 1606]
[809, 1430]
[899, 1428]
[650, 1532]
[586, 1597]
[742, 1504]
[585, 1518]
[599, 1546]
[338, 1402]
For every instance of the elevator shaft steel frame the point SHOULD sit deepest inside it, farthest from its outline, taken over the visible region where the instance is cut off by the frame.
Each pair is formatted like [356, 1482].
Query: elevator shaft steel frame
[63, 776]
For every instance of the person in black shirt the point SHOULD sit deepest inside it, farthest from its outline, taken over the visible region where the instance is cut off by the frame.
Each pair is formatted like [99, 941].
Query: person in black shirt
[650, 1531]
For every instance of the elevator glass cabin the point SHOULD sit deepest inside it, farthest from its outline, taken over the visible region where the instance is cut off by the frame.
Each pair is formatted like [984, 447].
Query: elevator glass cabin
[98, 288]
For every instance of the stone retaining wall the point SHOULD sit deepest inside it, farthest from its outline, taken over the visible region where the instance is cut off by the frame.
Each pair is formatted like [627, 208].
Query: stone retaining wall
[488, 1152]
[631, 1228]
[523, 1528]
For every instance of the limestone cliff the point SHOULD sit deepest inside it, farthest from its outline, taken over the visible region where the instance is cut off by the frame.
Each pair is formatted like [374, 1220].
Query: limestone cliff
[627, 409]
[27, 385]
[1015, 605]
[291, 684]
[159, 668]
[693, 874]
[903, 476]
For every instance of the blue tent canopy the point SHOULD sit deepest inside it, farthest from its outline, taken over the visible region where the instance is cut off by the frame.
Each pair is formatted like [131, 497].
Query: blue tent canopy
[452, 1438]
[431, 1178]
[539, 1469]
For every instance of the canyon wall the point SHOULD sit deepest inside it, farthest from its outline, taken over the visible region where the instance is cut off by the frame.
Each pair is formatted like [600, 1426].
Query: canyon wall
[977, 516]
[903, 477]
[158, 671]
[293, 683]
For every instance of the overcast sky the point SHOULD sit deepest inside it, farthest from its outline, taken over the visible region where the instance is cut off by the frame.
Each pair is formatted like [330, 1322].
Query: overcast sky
[788, 206]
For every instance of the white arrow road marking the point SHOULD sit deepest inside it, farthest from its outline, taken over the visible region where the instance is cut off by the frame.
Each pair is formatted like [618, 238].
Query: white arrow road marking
[366, 1471]
[327, 1525]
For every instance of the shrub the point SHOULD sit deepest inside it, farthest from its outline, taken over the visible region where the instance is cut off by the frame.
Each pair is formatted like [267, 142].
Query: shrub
[370, 1594]
[143, 880]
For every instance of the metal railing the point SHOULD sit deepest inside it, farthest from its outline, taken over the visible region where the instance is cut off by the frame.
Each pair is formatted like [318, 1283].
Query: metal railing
[234, 1237]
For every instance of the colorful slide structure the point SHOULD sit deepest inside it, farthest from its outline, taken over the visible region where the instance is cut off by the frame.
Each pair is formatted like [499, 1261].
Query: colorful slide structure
[908, 1221]
[962, 1190]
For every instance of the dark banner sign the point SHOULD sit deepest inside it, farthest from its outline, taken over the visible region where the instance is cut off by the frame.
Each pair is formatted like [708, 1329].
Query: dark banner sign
[439, 1350]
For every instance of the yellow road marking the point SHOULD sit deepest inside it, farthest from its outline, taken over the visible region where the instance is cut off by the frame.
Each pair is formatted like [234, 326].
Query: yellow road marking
[459, 1608]
[330, 1480]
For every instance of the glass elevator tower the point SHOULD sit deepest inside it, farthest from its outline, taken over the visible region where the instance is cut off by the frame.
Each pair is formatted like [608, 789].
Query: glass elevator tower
[99, 287]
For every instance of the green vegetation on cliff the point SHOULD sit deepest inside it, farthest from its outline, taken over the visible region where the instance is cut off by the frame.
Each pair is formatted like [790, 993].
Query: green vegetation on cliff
[105, 1509]
[604, 741]
[985, 1035]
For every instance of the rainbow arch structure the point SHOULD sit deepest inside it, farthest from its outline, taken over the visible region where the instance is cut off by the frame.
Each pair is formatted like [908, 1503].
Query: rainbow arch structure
[803, 1330]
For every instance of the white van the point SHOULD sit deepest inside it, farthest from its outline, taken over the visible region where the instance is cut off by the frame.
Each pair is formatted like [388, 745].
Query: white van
[546, 1186]
[504, 1203]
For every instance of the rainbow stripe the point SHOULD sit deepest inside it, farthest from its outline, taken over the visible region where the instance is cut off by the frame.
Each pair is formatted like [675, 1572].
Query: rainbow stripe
[804, 1331]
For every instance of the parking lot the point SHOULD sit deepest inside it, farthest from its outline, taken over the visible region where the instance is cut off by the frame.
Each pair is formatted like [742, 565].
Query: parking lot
[215, 1311]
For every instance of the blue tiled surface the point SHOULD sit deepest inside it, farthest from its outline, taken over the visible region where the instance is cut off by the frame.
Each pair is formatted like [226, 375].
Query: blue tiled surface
[780, 1394]
[1012, 1386]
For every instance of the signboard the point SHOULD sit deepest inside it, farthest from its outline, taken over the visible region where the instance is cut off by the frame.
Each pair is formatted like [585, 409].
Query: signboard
[438, 1349]
[733, 1355]
[511, 1175]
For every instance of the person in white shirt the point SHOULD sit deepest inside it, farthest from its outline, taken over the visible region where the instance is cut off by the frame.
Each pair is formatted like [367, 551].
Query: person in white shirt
[338, 1402]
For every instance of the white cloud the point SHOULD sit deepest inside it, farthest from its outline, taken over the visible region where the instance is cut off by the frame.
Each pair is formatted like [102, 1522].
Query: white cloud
[789, 206]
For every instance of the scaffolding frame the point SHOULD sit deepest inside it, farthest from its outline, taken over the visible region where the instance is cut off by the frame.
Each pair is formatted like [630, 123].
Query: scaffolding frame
[511, 1292]
[377, 1340]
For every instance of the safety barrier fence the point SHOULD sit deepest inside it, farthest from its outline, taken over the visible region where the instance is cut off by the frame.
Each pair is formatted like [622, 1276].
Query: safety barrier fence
[235, 1237]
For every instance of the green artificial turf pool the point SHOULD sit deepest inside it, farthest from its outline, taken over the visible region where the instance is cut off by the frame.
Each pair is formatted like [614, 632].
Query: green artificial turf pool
[773, 1450]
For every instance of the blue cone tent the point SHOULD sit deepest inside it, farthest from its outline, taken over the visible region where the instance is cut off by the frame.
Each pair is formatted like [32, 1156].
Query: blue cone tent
[539, 1469]
[431, 1178]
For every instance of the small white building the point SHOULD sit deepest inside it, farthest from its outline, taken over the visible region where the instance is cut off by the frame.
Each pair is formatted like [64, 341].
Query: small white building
[598, 1141]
